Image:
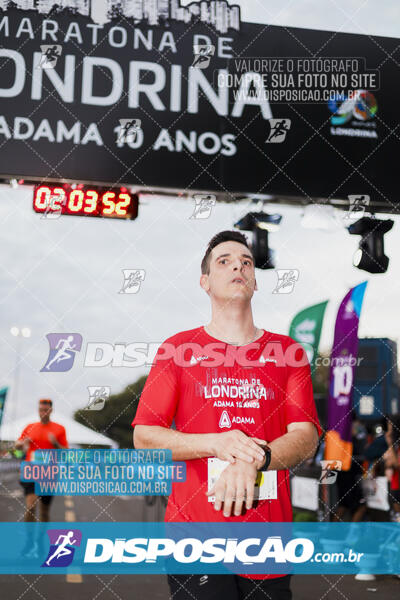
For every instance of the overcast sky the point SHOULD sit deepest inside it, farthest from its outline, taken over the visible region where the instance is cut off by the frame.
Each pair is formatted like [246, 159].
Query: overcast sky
[64, 275]
[370, 17]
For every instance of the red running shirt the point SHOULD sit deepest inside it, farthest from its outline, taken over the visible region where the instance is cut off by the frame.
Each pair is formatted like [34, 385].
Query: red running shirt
[202, 398]
[39, 435]
[395, 480]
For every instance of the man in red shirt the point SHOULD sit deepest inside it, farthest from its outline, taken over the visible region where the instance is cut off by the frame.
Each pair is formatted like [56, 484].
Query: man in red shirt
[43, 435]
[236, 393]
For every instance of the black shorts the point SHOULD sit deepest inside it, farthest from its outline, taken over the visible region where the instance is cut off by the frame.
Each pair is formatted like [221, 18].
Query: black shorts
[29, 488]
[350, 492]
[394, 495]
[232, 587]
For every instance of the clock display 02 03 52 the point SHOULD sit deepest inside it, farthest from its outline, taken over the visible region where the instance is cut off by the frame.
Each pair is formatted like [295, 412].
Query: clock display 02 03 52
[84, 200]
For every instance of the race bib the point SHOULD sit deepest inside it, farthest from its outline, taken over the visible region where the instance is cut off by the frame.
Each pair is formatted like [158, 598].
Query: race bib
[266, 487]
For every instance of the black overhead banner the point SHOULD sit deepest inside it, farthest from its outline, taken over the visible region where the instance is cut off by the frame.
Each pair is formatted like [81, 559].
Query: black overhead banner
[149, 93]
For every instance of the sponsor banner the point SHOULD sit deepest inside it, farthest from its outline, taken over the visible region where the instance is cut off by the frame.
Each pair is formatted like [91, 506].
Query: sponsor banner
[306, 328]
[3, 396]
[338, 444]
[102, 98]
[304, 492]
[243, 548]
[376, 492]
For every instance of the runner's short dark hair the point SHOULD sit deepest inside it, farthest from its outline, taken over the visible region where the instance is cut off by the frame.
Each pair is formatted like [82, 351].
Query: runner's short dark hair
[219, 238]
[46, 401]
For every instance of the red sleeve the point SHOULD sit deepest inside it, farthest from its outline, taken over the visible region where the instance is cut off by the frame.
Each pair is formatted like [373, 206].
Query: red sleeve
[299, 404]
[159, 399]
[62, 437]
[25, 433]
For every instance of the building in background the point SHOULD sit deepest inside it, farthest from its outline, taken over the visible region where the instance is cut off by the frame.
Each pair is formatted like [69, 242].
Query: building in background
[217, 13]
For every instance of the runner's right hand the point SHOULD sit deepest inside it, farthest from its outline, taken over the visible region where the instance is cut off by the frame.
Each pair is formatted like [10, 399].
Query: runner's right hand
[236, 444]
[23, 444]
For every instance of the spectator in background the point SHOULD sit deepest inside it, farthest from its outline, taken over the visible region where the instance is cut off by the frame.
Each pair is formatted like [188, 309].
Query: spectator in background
[42, 435]
[350, 492]
[392, 464]
[374, 451]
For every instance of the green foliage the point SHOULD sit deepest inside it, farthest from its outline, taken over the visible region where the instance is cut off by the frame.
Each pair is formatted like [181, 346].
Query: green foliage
[302, 516]
[115, 419]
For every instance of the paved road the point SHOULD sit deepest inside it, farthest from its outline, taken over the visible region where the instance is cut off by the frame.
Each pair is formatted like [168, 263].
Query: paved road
[143, 587]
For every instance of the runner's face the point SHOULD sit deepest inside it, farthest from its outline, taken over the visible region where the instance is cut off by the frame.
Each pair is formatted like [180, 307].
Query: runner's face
[44, 411]
[232, 274]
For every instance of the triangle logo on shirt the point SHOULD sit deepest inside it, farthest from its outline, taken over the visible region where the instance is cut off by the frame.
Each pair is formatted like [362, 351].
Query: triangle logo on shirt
[224, 420]
[265, 360]
[194, 360]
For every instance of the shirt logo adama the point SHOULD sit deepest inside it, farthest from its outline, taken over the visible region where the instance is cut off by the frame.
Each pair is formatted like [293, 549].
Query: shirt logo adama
[196, 359]
[267, 360]
[224, 420]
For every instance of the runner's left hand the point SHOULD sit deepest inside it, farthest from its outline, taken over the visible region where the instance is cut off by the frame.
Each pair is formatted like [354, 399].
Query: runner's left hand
[52, 439]
[234, 487]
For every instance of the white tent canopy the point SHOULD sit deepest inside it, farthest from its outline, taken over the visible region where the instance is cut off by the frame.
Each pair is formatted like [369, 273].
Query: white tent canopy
[77, 434]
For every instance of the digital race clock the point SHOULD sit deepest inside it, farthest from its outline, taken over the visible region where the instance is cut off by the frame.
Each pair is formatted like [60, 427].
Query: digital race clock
[85, 200]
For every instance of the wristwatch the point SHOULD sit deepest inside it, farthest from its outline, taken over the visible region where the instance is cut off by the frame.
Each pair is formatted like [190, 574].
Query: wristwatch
[267, 452]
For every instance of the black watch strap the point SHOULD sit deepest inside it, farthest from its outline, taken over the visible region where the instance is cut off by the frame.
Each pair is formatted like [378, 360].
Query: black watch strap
[267, 451]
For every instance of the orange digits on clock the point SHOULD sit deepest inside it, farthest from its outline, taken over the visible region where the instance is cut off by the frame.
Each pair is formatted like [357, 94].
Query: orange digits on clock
[120, 208]
[75, 206]
[82, 200]
[43, 195]
[108, 203]
[56, 203]
[90, 201]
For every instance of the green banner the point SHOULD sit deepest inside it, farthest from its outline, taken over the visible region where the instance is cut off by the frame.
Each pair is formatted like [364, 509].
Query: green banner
[3, 394]
[306, 328]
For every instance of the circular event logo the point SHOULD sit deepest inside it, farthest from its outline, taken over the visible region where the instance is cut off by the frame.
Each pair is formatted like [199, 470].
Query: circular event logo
[361, 104]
